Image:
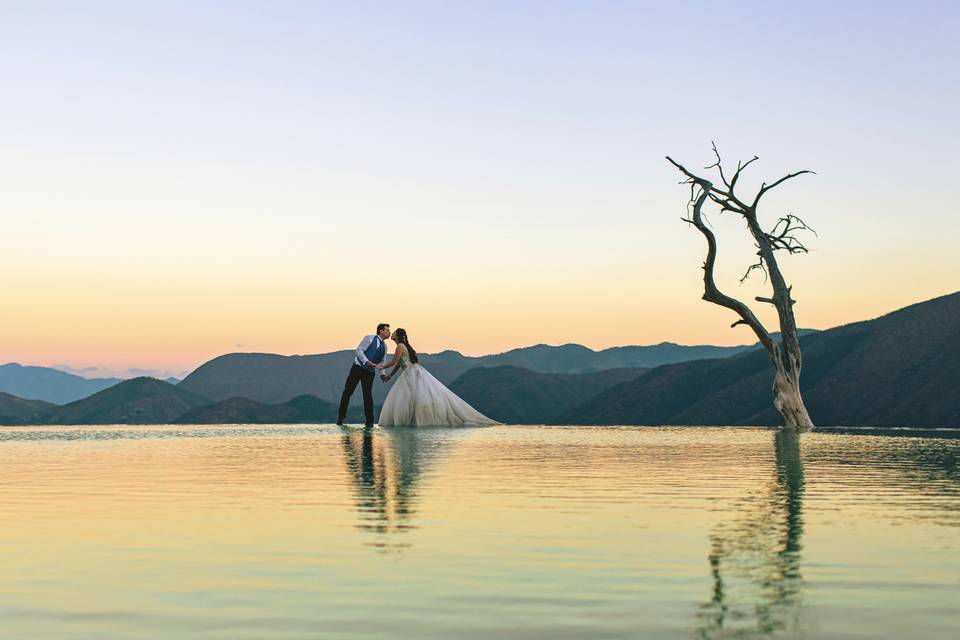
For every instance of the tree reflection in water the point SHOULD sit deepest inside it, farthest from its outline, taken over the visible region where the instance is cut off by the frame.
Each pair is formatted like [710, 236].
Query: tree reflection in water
[385, 466]
[755, 559]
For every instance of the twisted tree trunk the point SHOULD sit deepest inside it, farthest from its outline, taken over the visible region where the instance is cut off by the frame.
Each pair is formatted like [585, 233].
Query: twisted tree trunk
[786, 393]
[786, 356]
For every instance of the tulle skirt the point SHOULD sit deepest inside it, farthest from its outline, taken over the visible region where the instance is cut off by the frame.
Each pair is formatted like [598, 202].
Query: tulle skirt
[419, 399]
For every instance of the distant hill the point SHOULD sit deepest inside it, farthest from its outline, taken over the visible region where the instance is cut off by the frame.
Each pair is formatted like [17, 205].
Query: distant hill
[51, 385]
[514, 395]
[902, 369]
[302, 409]
[13, 408]
[136, 401]
[575, 358]
[151, 401]
[273, 378]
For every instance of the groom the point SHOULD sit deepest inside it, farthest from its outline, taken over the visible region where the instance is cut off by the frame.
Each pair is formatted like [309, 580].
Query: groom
[370, 354]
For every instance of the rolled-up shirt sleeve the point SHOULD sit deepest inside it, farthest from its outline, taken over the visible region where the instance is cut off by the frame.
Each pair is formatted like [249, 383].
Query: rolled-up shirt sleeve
[361, 356]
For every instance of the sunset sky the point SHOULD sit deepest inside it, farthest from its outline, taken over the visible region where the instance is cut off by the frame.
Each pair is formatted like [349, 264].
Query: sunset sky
[180, 180]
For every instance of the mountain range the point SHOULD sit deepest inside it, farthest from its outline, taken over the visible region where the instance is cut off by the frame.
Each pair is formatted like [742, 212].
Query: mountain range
[271, 378]
[274, 378]
[901, 369]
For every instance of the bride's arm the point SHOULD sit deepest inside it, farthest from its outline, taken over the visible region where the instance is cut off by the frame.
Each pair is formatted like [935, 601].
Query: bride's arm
[396, 357]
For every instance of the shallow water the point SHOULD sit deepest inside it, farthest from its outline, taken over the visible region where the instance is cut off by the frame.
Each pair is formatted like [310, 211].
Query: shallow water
[506, 532]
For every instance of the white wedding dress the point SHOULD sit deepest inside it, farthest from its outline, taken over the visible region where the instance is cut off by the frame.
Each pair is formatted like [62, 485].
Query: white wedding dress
[419, 399]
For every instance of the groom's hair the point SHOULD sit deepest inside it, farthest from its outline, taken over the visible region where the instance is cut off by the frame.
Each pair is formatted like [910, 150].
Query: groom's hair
[382, 326]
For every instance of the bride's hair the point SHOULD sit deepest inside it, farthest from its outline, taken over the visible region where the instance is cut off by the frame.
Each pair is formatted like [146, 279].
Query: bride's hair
[400, 335]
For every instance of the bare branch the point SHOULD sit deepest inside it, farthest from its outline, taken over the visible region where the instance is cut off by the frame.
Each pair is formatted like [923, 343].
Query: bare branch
[783, 238]
[766, 187]
[683, 170]
[741, 167]
[756, 265]
[727, 203]
[699, 192]
[790, 244]
[792, 223]
[729, 198]
[718, 164]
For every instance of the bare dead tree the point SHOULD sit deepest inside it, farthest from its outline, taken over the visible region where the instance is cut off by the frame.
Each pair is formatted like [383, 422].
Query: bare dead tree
[785, 355]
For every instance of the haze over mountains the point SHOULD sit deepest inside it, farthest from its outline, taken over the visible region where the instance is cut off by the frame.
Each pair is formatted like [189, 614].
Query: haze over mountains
[51, 385]
[902, 369]
[127, 373]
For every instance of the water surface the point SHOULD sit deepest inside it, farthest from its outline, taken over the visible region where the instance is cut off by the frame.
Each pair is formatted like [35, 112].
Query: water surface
[507, 532]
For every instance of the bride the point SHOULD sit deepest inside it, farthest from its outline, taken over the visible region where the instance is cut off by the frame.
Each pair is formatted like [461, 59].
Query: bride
[419, 399]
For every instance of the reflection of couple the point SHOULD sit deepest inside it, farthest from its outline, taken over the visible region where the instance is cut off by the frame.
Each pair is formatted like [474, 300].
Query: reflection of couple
[417, 398]
[385, 467]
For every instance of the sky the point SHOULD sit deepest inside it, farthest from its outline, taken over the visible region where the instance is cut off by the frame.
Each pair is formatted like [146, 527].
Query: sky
[180, 180]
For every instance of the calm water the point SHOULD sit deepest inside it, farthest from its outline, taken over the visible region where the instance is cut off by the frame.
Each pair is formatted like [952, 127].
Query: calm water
[506, 532]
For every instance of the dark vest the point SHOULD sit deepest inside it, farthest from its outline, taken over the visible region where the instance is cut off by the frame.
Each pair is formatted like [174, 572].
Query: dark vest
[376, 350]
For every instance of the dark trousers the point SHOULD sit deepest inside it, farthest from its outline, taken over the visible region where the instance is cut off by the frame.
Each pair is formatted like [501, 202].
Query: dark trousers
[364, 376]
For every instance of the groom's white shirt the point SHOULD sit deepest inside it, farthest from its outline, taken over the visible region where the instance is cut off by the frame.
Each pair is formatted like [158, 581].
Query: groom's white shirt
[361, 359]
